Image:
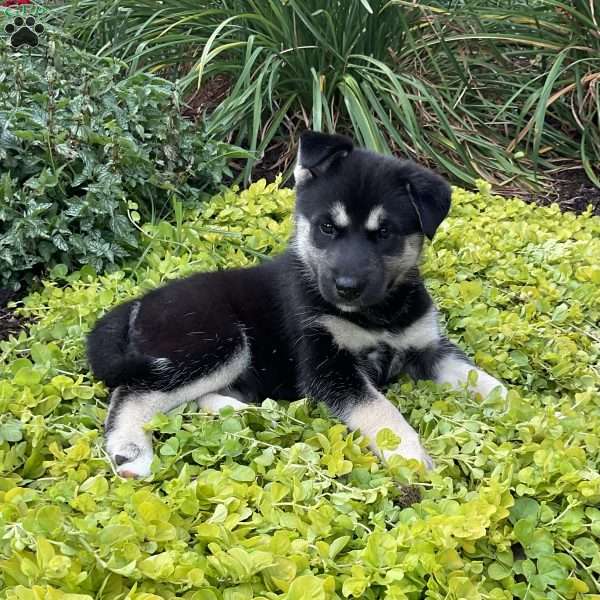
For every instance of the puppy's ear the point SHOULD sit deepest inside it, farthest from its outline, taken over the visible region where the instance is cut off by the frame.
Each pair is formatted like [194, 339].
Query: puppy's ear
[318, 152]
[429, 193]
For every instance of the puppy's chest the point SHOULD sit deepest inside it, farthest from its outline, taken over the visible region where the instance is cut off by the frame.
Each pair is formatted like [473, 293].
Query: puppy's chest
[382, 352]
[381, 364]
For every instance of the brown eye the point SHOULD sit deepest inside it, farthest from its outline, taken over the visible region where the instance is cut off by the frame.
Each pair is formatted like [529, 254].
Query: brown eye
[327, 228]
[383, 233]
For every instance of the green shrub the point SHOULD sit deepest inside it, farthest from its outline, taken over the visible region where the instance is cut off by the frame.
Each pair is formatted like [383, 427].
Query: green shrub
[85, 152]
[279, 502]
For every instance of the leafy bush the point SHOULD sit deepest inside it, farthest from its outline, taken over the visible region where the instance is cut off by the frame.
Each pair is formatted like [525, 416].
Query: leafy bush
[85, 152]
[279, 502]
[488, 89]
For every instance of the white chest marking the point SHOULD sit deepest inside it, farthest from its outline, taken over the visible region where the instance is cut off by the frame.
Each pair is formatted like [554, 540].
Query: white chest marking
[354, 338]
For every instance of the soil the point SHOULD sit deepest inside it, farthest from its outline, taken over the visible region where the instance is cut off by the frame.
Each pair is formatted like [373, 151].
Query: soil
[9, 322]
[570, 189]
[276, 159]
[208, 97]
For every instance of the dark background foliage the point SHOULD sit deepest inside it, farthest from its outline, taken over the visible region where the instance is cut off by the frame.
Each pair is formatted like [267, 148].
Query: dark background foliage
[87, 151]
[504, 90]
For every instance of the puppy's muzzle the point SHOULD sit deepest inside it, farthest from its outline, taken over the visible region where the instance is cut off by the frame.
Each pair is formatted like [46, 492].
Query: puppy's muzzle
[349, 288]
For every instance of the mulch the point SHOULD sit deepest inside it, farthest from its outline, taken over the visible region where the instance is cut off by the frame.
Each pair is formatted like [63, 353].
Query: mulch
[208, 97]
[570, 189]
[9, 322]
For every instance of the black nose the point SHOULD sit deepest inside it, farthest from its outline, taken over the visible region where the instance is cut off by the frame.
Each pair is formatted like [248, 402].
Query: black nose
[348, 288]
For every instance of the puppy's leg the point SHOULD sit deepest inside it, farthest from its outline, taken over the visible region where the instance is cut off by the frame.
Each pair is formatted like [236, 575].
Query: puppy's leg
[128, 444]
[446, 363]
[332, 375]
[214, 402]
[375, 412]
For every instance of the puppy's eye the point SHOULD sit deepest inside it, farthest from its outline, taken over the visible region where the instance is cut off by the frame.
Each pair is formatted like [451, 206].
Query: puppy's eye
[327, 228]
[383, 233]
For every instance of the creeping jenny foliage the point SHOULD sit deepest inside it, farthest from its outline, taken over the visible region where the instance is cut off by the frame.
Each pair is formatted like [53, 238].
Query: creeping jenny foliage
[280, 501]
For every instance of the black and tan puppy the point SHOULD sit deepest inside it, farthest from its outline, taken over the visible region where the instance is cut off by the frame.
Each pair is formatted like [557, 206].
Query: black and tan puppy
[339, 315]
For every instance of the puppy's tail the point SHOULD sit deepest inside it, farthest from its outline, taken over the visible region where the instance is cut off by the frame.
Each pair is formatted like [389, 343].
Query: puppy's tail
[110, 351]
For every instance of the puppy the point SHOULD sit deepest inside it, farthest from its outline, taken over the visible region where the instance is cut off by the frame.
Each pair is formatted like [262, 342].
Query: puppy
[336, 317]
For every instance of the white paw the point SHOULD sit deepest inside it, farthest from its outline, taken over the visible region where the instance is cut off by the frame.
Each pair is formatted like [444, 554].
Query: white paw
[486, 384]
[132, 460]
[213, 403]
[455, 371]
[379, 413]
[411, 450]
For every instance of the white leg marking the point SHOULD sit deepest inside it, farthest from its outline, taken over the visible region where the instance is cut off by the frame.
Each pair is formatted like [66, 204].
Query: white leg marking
[378, 413]
[455, 371]
[127, 442]
[213, 403]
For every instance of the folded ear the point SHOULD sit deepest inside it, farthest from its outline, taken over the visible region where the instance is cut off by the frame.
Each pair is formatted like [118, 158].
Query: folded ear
[318, 152]
[429, 193]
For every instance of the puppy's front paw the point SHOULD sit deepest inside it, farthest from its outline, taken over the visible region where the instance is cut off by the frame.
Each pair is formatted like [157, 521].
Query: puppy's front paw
[379, 413]
[486, 384]
[131, 460]
[411, 449]
[502, 389]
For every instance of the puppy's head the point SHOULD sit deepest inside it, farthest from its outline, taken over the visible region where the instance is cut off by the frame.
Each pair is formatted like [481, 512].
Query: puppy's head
[361, 218]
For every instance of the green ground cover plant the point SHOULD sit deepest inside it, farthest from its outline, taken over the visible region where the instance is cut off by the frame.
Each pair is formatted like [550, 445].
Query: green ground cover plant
[86, 153]
[279, 501]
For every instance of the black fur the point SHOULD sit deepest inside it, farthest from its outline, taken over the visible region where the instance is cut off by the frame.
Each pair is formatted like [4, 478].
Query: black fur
[196, 325]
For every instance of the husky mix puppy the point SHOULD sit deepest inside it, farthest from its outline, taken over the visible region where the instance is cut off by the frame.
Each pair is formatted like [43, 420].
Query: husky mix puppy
[335, 318]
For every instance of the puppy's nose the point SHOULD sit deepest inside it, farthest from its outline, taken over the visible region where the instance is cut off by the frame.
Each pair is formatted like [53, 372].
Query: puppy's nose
[348, 288]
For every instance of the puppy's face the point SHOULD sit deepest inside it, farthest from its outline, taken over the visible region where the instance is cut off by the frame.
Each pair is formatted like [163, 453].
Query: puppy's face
[361, 218]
